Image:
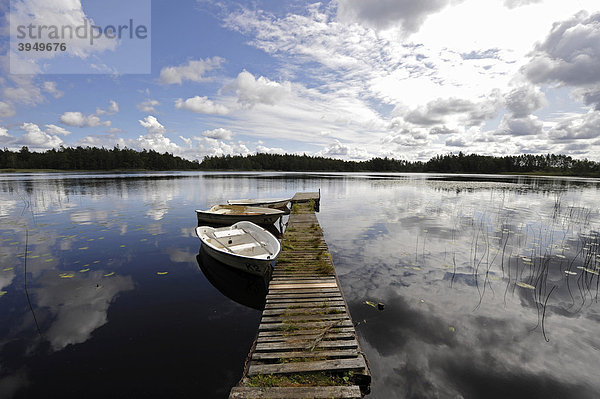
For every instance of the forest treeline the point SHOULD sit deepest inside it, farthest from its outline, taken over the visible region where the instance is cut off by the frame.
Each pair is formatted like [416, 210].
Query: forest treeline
[450, 163]
[93, 158]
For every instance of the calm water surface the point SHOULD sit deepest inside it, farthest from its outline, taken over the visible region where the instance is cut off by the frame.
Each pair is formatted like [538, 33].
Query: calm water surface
[490, 284]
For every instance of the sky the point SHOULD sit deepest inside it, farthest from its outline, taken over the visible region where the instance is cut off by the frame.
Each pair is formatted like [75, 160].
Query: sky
[350, 79]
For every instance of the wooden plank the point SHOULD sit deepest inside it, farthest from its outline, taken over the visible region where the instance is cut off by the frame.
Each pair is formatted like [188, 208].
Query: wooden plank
[301, 286]
[310, 310]
[304, 345]
[305, 367]
[341, 392]
[321, 291]
[305, 337]
[338, 354]
[299, 333]
[304, 281]
[300, 278]
[302, 305]
[300, 295]
[301, 326]
[307, 317]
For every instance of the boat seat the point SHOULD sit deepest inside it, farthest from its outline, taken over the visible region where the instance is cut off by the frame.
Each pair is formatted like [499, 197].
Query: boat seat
[229, 233]
[241, 247]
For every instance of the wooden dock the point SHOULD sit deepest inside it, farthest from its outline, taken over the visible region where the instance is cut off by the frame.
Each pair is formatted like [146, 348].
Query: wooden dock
[306, 345]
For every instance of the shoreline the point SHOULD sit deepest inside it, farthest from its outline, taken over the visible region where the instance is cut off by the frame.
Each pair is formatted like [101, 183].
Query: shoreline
[533, 174]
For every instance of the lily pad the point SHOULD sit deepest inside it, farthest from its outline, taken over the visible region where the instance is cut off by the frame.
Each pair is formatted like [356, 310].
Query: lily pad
[525, 285]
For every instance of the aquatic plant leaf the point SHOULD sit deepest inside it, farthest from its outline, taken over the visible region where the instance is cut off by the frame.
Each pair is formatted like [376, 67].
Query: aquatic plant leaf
[122, 246]
[87, 269]
[3, 293]
[49, 260]
[109, 274]
[84, 248]
[451, 329]
[161, 273]
[371, 303]
[570, 273]
[525, 285]
[585, 269]
[7, 269]
[560, 256]
[66, 275]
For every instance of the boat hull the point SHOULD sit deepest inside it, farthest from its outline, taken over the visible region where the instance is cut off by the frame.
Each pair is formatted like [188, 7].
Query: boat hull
[207, 217]
[277, 204]
[257, 267]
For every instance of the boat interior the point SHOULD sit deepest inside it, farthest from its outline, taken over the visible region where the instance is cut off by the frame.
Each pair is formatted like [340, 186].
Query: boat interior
[236, 210]
[238, 241]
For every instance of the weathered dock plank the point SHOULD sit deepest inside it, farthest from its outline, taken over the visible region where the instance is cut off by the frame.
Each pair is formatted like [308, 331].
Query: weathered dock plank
[342, 392]
[305, 367]
[306, 333]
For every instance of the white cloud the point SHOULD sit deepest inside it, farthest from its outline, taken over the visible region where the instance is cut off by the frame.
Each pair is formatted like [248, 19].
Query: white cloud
[252, 91]
[201, 105]
[570, 54]
[51, 87]
[106, 140]
[194, 70]
[37, 139]
[23, 91]
[154, 138]
[152, 125]
[53, 129]
[585, 126]
[519, 126]
[524, 100]
[148, 106]
[219, 133]
[343, 151]
[519, 3]
[113, 108]
[4, 132]
[441, 110]
[456, 141]
[382, 14]
[270, 150]
[80, 120]
[6, 110]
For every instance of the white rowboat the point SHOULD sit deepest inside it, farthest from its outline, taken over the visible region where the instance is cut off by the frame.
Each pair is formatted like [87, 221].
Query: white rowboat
[243, 245]
[230, 214]
[262, 202]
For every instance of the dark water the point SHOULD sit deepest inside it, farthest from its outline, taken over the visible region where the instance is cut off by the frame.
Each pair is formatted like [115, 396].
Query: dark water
[490, 285]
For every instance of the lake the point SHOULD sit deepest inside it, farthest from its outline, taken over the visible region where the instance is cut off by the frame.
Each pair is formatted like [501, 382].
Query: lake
[490, 283]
